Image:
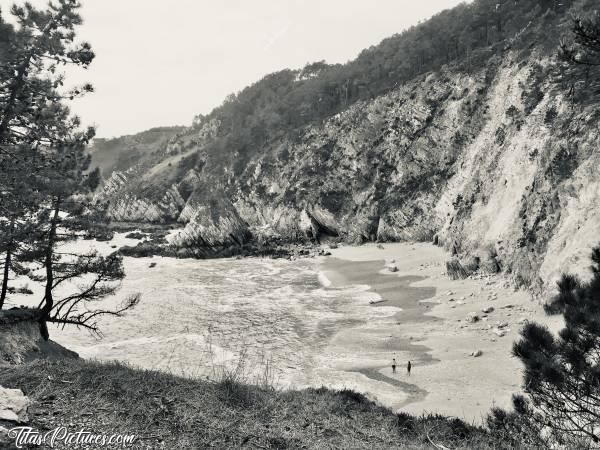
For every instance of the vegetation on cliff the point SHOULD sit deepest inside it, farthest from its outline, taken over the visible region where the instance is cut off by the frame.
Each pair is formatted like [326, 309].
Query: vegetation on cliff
[465, 37]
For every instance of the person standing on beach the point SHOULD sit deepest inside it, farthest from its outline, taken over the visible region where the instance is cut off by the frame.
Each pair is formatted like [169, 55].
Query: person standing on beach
[408, 367]
[394, 365]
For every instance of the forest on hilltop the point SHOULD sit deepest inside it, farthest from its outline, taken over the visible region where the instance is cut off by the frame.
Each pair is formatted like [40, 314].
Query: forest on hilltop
[465, 37]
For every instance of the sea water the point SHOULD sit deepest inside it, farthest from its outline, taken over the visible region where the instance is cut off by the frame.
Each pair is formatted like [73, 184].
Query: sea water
[261, 320]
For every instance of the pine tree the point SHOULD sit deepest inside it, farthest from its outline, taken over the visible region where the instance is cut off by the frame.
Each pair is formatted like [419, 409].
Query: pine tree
[31, 113]
[43, 166]
[562, 373]
[84, 278]
[580, 52]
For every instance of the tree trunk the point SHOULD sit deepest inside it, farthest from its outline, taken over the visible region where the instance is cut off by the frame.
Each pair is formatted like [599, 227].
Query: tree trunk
[7, 261]
[5, 278]
[49, 301]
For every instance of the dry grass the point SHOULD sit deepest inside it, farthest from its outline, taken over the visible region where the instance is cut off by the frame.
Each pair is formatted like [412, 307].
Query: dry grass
[170, 412]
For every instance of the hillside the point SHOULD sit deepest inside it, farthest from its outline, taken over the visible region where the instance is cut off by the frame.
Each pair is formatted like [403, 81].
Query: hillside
[118, 154]
[466, 129]
[172, 412]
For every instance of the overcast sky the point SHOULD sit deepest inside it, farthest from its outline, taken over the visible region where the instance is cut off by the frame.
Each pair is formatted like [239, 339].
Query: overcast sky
[160, 62]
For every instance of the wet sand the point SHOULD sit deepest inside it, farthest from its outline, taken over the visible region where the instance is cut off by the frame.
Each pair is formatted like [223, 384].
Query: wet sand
[431, 329]
[394, 291]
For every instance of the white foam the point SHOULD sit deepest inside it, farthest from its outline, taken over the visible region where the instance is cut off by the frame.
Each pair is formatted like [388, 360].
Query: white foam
[325, 282]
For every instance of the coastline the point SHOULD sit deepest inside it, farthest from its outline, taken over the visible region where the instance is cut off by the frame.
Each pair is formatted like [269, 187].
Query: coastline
[432, 331]
[346, 337]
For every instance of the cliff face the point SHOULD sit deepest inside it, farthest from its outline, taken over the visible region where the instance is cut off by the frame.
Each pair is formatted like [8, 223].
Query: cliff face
[495, 161]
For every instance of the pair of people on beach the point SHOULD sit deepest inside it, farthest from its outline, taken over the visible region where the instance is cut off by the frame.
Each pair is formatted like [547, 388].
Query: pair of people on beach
[408, 366]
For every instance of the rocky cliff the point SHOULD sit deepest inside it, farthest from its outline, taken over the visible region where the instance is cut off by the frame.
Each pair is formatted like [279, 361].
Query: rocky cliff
[497, 163]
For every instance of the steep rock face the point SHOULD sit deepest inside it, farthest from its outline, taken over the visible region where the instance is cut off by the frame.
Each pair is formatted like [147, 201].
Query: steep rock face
[136, 209]
[129, 201]
[212, 221]
[525, 187]
[494, 162]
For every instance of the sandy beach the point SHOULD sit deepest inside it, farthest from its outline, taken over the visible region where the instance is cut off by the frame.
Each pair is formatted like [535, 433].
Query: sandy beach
[432, 329]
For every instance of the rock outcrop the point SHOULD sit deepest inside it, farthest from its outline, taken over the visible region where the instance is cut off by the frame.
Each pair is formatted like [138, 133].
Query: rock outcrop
[13, 406]
[212, 221]
[13, 412]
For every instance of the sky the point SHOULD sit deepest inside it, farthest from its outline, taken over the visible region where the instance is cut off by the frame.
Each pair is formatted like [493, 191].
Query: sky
[161, 62]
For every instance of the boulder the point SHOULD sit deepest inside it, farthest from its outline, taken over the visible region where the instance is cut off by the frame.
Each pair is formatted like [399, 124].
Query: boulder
[476, 353]
[499, 332]
[392, 268]
[490, 265]
[13, 405]
[488, 309]
[472, 317]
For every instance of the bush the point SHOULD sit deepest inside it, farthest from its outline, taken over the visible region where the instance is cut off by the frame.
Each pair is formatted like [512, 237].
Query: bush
[500, 136]
[551, 114]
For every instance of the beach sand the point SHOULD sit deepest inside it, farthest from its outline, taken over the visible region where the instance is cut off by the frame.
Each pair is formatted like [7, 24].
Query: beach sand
[432, 331]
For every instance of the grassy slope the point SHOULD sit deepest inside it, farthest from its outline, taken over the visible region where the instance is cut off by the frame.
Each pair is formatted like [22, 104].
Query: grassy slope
[123, 152]
[176, 413]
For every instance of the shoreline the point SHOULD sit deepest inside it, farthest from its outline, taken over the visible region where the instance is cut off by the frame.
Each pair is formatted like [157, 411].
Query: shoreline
[431, 328]
[397, 292]
[349, 336]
